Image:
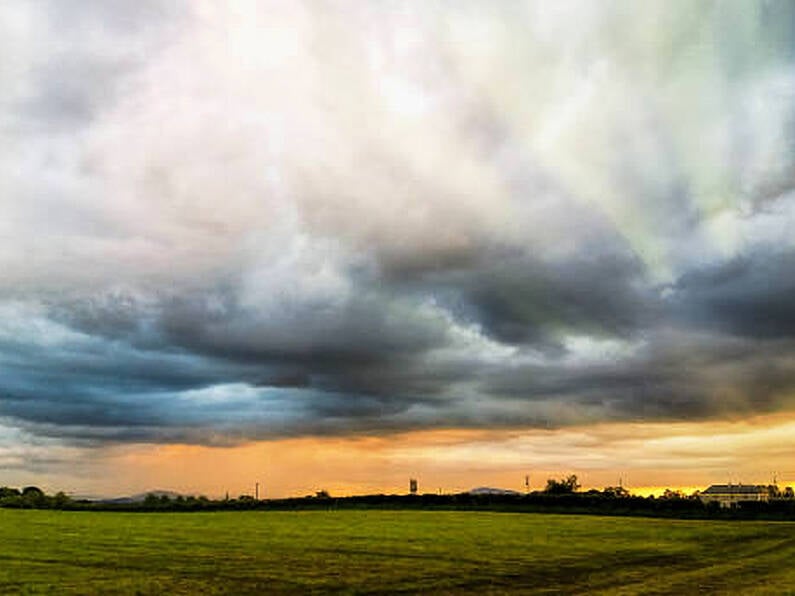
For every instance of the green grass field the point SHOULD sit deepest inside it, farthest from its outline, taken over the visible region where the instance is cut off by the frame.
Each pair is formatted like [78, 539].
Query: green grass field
[386, 552]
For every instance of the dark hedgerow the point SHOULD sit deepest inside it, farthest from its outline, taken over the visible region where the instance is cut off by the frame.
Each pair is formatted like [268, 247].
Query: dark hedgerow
[606, 502]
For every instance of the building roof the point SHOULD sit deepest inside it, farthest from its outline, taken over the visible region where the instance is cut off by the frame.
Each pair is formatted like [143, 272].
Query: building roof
[735, 489]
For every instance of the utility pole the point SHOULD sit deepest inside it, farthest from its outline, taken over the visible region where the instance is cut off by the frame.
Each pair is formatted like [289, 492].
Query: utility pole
[256, 491]
[527, 483]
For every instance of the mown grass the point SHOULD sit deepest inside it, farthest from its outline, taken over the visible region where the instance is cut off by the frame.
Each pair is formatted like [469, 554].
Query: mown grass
[63, 552]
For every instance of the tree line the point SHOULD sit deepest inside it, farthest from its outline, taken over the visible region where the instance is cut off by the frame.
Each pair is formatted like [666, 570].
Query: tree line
[32, 497]
[559, 496]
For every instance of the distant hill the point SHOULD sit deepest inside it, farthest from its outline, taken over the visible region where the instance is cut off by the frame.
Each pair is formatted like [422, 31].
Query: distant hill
[141, 497]
[487, 490]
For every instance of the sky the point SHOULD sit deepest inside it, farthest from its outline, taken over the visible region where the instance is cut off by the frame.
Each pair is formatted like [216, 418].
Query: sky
[340, 244]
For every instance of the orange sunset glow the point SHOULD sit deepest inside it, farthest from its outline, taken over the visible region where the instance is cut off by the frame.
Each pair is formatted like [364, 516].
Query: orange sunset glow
[647, 458]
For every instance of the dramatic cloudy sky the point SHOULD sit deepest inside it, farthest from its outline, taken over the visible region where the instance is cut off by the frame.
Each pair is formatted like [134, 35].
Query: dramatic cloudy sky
[443, 236]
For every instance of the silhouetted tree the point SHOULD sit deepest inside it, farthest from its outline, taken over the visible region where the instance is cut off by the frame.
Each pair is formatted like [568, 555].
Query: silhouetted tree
[151, 501]
[615, 492]
[672, 494]
[7, 491]
[33, 496]
[561, 487]
[60, 500]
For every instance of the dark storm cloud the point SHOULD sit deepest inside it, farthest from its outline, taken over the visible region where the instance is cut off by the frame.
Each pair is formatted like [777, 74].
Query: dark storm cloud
[673, 378]
[224, 223]
[350, 370]
[751, 295]
[200, 369]
[522, 301]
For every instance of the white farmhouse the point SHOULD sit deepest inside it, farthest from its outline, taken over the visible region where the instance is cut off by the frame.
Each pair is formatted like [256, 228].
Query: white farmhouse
[730, 494]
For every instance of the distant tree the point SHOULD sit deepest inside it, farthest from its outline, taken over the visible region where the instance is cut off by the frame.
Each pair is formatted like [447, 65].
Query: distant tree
[615, 492]
[564, 486]
[151, 500]
[7, 491]
[60, 500]
[33, 496]
[789, 493]
[322, 494]
[773, 491]
[672, 494]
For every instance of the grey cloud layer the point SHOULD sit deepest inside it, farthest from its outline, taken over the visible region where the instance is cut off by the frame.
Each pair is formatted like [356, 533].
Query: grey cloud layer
[226, 222]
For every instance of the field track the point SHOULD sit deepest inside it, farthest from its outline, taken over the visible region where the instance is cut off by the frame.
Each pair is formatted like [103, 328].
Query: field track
[62, 552]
